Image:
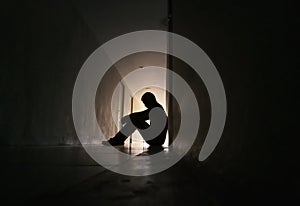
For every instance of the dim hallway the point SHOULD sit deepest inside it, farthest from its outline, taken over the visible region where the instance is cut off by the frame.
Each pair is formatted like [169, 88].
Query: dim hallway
[253, 45]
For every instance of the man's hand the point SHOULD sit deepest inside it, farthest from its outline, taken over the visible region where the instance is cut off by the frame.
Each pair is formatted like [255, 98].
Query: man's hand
[125, 119]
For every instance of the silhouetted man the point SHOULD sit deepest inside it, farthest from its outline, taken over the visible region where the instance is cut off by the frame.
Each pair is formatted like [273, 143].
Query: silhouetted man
[154, 133]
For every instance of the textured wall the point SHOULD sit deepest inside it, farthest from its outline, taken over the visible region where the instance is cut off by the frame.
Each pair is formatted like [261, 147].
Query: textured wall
[249, 45]
[46, 43]
[49, 43]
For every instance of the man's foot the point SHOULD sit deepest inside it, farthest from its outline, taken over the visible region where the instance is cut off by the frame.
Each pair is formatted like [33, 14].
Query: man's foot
[113, 142]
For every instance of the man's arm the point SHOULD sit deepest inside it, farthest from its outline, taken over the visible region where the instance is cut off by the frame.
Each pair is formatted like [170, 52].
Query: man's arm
[125, 119]
[140, 116]
[136, 116]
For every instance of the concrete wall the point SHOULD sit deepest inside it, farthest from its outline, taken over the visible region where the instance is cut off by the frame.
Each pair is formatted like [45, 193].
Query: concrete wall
[49, 43]
[247, 43]
[108, 112]
[46, 43]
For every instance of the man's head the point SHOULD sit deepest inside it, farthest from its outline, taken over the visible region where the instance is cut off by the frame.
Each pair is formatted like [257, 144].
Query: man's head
[149, 100]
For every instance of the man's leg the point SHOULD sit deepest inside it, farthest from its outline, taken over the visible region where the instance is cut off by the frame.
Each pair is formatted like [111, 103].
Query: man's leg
[127, 129]
[124, 132]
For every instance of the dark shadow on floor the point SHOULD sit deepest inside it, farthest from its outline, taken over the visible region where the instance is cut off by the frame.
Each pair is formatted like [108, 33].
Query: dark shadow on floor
[152, 150]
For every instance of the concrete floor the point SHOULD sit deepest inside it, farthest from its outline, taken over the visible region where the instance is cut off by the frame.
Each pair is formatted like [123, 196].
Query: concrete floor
[68, 176]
